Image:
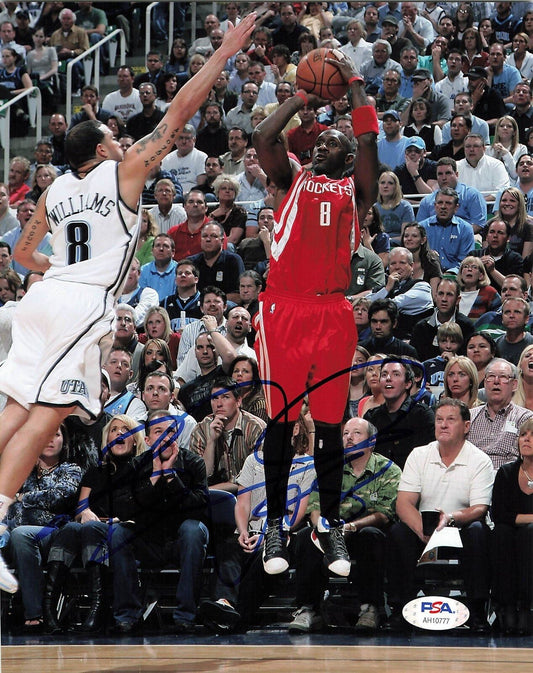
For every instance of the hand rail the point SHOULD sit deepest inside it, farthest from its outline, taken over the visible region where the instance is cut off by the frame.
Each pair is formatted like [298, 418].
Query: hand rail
[148, 26]
[83, 56]
[34, 111]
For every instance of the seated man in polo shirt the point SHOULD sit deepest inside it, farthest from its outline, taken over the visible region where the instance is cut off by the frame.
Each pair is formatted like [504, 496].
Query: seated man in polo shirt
[161, 273]
[449, 235]
[217, 266]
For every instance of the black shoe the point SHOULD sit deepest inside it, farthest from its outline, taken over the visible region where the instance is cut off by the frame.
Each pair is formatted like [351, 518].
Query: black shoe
[275, 553]
[184, 627]
[395, 623]
[477, 623]
[508, 618]
[219, 616]
[330, 540]
[127, 628]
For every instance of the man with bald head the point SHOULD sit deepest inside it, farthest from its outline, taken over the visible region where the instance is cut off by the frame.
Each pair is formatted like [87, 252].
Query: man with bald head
[318, 210]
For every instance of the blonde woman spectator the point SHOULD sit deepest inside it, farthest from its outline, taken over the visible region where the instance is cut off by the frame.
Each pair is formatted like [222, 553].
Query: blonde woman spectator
[43, 177]
[505, 146]
[461, 381]
[521, 58]
[258, 115]
[231, 216]
[512, 210]
[157, 326]
[395, 211]
[149, 231]
[524, 391]
[357, 48]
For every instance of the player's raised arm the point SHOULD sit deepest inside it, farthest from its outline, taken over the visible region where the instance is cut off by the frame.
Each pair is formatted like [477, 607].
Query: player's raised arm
[366, 129]
[154, 147]
[271, 152]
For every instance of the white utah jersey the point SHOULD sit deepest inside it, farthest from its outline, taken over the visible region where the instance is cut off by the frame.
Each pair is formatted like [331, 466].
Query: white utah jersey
[94, 234]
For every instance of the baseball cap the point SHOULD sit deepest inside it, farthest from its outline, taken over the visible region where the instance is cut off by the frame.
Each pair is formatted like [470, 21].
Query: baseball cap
[390, 19]
[477, 72]
[22, 13]
[392, 113]
[416, 141]
[421, 73]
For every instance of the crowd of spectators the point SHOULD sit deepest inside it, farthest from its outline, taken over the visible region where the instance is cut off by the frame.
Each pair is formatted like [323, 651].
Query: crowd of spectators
[441, 290]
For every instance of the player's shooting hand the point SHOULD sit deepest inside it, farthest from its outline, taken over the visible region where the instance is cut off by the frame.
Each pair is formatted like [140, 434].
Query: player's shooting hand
[344, 64]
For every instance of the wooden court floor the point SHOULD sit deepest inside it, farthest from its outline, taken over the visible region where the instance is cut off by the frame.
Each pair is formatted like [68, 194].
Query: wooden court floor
[238, 658]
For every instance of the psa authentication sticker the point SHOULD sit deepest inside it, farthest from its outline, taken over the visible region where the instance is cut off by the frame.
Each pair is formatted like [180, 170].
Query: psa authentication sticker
[435, 613]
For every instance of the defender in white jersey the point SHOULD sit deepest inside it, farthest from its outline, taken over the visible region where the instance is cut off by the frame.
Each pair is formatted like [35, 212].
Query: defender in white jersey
[62, 330]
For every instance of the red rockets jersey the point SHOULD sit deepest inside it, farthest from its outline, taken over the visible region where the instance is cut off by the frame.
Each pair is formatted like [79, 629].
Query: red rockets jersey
[315, 233]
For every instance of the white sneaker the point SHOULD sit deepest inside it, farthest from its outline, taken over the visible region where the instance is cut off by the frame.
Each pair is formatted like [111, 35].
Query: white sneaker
[305, 620]
[7, 581]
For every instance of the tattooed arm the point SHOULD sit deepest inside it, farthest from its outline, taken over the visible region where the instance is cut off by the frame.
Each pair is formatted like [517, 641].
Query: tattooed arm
[154, 147]
[26, 252]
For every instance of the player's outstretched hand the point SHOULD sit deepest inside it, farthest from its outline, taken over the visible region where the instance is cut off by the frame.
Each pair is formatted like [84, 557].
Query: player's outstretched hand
[345, 65]
[236, 36]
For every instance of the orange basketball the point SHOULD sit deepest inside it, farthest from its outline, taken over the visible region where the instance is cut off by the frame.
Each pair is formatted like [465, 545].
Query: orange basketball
[323, 79]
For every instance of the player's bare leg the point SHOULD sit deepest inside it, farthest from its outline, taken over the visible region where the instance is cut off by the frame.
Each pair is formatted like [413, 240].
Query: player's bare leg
[13, 417]
[19, 456]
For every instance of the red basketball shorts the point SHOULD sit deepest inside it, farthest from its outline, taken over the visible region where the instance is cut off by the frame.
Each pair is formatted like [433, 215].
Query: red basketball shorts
[302, 343]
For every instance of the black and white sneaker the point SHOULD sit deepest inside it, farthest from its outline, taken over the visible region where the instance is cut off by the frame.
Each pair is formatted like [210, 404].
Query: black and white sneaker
[330, 540]
[219, 616]
[275, 553]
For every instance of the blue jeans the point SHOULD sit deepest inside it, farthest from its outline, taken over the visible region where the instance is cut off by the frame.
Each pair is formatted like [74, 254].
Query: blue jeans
[91, 541]
[187, 551]
[30, 545]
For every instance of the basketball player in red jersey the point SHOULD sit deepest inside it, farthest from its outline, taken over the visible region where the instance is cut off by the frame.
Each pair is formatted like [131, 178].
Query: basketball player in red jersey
[305, 326]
